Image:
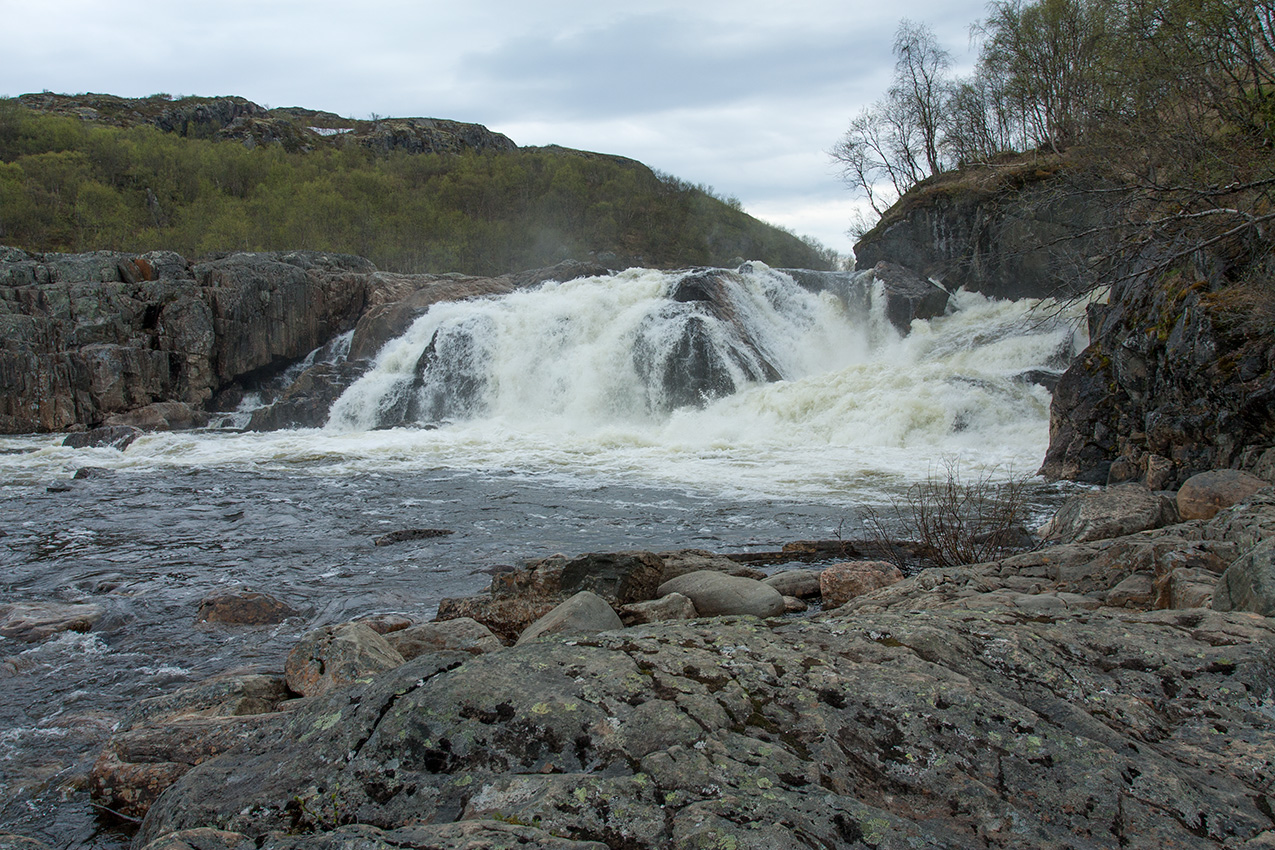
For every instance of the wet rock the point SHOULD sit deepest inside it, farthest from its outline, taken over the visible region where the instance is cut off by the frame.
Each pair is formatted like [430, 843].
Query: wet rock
[582, 614]
[995, 728]
[540, 579]
[1249, 583]
[1202, 496]
[333, 656]
[793, 605]
[385, 624]
[1111, 512]
[461, 634]
[244, 608]
[803, 584]
[840, 583]
[163, 737]
[675, 606]
[35, 621]
[507, 617]
[409, 534]
[716, 594]
[160, 416]
[618, 577]
[114, 436]
[908, 296]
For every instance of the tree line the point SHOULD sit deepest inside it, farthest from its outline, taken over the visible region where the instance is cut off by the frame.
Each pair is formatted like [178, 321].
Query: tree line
[1168, 104]
[68, 185]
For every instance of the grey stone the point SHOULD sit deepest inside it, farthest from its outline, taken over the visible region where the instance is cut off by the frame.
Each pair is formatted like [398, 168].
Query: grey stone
[1249, 583]
[803, 584]
[462, 634]
[1111, 512]
[35, 621]
[584, 613]
[675, 606]
[715, 594]
[334, 656]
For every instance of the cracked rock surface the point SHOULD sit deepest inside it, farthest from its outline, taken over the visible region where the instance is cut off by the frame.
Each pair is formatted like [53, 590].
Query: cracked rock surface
[1062, 727]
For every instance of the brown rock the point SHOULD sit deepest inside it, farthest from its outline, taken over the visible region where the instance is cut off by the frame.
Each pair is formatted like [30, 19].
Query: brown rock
[244, 608]
[1202, 496]
[840, 583]
[35, 621]
[674, 606]
[679, 562]
[506, 617]
[334, 656]
[462, 633]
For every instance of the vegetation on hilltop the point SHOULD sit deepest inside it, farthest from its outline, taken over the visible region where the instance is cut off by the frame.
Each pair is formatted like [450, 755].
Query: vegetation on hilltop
[1160, 112]
[201, 176]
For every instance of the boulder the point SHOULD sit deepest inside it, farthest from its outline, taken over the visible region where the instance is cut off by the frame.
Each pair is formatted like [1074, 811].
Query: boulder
[675, 606]
[1247, 523]
[113, 436]
[10, 841]
[1249, 583]
[35, 621]
[679, 562]
[908, 296]
[1111, 512]
[384, 624]
[717, 594]
[618, 577]
[244, 608]
[584, 613]
[160, 416]
[840, 583]
[333, 656]
[463, 634]
[1202, 496]
[507, 617]
[803, 584]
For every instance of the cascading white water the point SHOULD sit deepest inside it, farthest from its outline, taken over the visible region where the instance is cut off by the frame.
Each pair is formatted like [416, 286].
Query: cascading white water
[552, 379]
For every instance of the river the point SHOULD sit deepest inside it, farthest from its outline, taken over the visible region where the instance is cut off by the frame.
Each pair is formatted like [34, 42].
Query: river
[559, 445]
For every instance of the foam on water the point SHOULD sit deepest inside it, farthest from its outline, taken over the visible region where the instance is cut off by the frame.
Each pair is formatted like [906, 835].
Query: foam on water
[859, 407]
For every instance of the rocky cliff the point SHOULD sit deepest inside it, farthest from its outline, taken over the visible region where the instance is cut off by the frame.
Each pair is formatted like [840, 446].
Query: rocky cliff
[1179, 375]
[1025, 228]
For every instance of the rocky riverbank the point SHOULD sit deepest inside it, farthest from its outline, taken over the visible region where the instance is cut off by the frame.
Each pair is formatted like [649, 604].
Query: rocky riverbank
[1115, 687]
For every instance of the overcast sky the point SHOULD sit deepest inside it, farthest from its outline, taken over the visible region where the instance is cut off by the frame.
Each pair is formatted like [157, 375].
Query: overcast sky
[741, 95]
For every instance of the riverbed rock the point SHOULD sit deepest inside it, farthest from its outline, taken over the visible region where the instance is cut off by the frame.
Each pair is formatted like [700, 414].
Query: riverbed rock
[679, 562]
[113, 436]
[582, 614]
[35, 621]
[1249, 583]
[840, 583]
[803, 584]
[244, 608]
[1202, 496]
[463, 634]
[1110, 512]
[908, 296]
[717, 594]
[675, 606]
[618, 577]
[333, 656]
[506, 617]
[992, 728]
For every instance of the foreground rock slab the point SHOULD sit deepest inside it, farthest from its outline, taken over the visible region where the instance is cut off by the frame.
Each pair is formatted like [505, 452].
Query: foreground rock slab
[952, 728]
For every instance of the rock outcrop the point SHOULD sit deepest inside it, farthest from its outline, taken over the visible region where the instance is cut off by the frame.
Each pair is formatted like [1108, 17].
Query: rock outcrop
[1014, 230]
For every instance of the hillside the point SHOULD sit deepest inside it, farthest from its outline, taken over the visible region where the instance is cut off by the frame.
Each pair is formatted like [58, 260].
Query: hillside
[203, 176]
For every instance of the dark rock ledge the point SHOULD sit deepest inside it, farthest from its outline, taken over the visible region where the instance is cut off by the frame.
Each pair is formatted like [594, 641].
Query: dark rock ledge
[1081, 695]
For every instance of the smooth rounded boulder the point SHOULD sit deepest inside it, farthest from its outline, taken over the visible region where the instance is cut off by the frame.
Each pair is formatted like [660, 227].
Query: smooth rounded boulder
[584, 613]
[717, 594]
[1202, 496]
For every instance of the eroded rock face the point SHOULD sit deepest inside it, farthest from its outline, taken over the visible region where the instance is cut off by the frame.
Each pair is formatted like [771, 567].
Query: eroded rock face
[960, 728]
[1112, 512]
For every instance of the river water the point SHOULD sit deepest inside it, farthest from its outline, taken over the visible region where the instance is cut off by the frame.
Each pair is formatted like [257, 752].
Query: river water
[561, 443]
